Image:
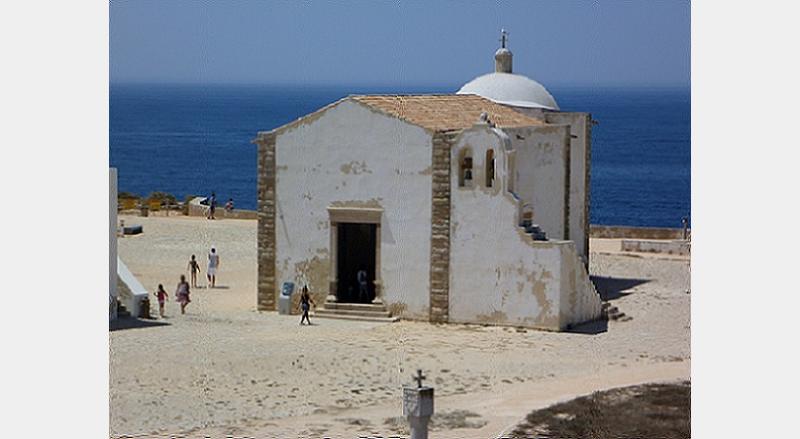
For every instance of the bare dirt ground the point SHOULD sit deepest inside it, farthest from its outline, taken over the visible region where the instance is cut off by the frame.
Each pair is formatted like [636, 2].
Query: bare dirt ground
[224, 369]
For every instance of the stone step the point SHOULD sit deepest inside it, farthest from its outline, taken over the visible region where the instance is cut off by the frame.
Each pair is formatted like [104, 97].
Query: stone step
[355, 317]
[353, 312]
[355, 306]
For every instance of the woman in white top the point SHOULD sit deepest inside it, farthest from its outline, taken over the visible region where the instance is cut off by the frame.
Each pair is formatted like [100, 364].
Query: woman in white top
[213, 264]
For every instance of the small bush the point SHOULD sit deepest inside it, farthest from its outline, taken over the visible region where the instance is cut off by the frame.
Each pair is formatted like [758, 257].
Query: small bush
[163, 197]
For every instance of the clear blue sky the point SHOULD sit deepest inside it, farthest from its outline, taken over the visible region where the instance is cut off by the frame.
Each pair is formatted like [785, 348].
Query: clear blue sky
[558, 43]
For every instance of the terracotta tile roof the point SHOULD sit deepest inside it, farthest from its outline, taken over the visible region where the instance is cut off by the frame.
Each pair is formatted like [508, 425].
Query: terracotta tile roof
[445, 112]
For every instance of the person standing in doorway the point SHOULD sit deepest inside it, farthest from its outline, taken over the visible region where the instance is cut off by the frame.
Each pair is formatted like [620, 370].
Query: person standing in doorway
[193, 268]
[305, 304]
[213, 265]
[182, 293]
[363, 291]
[212, 205]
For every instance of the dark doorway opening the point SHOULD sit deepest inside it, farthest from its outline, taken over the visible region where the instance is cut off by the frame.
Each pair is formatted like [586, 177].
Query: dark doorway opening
[355, 251]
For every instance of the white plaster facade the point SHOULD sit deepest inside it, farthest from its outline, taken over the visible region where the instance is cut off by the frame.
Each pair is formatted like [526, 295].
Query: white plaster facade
[499, 274]
[353, 156]
[351, 159]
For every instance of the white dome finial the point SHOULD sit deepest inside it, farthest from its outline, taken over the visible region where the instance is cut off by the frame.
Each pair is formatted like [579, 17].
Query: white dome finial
[502, 58]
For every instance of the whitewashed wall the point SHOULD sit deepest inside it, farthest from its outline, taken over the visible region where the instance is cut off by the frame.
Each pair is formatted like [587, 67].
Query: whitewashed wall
[580, 162]
[542, 169]
[112, 243]
[498, 274]
[351, 155]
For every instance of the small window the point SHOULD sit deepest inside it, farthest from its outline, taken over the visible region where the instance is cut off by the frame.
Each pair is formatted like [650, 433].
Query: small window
[490, 168]
[465, 168]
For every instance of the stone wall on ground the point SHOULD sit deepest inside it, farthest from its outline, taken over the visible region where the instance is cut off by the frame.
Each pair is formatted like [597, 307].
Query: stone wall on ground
[616, 232]
[673, 247]
[197, 209]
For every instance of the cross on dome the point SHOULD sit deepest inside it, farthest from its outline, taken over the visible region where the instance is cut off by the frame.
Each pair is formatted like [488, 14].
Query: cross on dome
[503, 38]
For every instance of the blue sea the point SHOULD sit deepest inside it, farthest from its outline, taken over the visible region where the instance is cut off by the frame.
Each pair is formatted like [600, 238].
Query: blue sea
[194, 139]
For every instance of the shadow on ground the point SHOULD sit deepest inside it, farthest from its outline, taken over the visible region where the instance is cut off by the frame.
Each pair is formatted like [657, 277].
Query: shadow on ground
[589, 328]
[132, 323]
[611, 288]
[645, 411]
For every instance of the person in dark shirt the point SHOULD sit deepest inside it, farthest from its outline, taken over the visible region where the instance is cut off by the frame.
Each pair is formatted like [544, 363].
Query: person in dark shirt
[305, 303]
[212, 205]
[363, 291]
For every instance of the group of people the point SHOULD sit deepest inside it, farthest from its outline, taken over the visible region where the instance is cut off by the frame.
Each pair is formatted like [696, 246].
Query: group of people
[182, 291]
[212, 205]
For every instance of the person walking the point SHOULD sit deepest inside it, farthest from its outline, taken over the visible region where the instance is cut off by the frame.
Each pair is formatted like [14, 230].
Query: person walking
[182, 293]
[213, 265]
[162, 298]
[212, 205]
[193, 268]
[305, 304]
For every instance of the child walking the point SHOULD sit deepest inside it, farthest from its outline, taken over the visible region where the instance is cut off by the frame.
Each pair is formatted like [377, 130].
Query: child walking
[305, 303]
[182, 293]
[193, 268]
[162, 297]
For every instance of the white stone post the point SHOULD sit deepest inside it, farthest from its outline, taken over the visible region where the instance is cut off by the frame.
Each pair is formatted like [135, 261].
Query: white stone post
[418, 407]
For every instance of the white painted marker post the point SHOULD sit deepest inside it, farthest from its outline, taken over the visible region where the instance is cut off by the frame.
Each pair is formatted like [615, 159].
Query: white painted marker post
[418, 407]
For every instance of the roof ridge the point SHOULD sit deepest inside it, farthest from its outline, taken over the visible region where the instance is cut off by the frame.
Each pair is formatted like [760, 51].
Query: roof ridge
[455, 112]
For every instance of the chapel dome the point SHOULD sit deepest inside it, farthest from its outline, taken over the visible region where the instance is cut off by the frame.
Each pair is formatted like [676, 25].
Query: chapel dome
[505, 87]
[510, 89]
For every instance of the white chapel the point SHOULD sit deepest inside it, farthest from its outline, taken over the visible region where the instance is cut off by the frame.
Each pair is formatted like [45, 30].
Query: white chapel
[469, 207]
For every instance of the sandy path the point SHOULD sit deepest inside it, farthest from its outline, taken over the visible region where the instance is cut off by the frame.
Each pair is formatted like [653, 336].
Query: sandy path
[224, 369]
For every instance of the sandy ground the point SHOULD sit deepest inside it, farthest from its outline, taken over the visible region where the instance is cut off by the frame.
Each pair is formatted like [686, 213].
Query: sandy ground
[225, 370]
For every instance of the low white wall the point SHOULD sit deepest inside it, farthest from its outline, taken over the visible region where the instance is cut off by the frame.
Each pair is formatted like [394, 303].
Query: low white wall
[678, 247]
[133, 303]
[112, 243]
[498, 274]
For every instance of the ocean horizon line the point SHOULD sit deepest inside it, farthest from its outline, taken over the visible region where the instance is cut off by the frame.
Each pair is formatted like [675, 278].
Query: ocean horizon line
[368, 85]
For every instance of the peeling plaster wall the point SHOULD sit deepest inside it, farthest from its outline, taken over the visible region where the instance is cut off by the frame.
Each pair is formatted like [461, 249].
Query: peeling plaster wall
[498, 274]
[579, 301]
[542, 170]
[353, 156]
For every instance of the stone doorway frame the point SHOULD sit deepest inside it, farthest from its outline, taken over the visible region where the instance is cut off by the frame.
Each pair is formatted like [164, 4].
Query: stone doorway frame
[360, 215]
